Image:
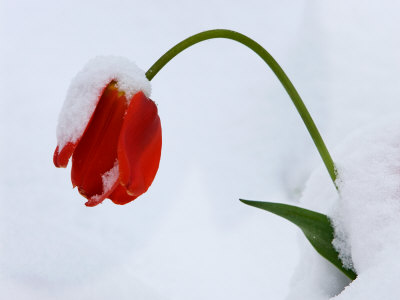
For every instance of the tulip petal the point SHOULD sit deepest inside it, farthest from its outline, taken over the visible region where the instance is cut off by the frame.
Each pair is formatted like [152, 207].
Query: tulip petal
[95, 156]
[61, 157]
[139, 146]
[120, 195]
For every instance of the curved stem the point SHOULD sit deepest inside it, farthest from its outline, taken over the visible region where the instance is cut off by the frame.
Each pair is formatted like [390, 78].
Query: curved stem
[287, 84]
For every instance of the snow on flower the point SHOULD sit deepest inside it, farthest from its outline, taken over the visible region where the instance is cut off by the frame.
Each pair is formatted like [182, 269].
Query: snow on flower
[86, 88]
[112, 131]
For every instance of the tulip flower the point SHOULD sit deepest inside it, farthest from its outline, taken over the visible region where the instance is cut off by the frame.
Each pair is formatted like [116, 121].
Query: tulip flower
[112, 131]
[113, 134]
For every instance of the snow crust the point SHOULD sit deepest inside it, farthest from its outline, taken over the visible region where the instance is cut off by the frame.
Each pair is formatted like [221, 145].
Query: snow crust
[366, 218]
[86, 88]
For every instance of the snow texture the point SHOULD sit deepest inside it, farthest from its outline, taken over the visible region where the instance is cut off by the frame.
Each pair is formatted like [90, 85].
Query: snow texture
[365, 217]
[229, 131]
[86, 88]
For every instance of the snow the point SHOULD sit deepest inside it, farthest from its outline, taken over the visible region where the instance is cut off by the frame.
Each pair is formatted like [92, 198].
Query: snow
[365, 217]
[109, 178]
[86, 88]
[229, 132]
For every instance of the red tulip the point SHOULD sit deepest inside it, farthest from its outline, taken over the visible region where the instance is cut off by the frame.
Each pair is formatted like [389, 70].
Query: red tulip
[118, 154]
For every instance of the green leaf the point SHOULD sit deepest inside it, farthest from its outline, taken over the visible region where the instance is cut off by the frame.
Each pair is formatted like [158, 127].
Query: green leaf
[316, 227]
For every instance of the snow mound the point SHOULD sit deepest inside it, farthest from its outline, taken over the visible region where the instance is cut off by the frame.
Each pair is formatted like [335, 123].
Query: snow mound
[366, 218]
[86, 88]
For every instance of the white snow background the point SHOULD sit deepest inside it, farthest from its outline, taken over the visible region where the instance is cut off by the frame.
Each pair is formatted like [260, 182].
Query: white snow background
[229, 131]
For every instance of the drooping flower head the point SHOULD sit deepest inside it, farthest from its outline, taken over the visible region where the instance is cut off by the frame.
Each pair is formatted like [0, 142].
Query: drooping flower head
[112, 131]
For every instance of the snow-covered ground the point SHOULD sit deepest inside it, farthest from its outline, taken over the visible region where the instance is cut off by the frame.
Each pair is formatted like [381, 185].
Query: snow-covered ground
[229, 131]
[366, 218]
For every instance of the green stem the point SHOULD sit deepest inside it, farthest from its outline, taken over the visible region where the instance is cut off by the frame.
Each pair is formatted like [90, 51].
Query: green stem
[257, 48]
